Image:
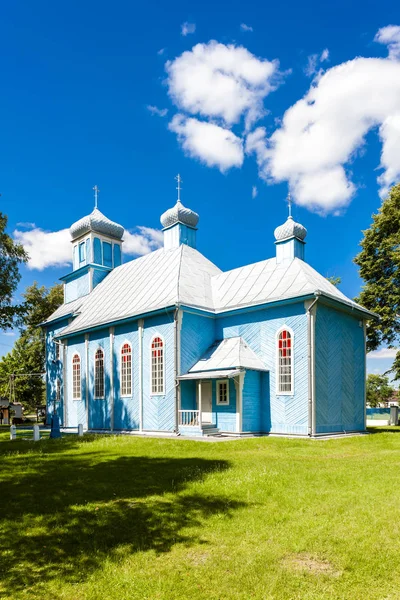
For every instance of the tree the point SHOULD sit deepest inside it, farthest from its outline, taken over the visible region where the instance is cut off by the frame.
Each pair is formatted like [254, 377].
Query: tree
[11, 256]
[335, 280]
[379, 262]
[378, 389]
[28, 354]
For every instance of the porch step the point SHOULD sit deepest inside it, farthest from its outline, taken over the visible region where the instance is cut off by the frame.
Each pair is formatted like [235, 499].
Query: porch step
[210, 429]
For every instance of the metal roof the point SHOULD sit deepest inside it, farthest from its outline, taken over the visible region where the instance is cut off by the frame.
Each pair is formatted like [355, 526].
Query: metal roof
[269, 281]
[96, 221]
[227, 373]
[155, 281]
[227, 354]
[66, 309]
[165, 278]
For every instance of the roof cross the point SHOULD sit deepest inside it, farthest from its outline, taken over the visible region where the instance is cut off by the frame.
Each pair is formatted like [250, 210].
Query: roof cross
[96, 193]
[179, 180]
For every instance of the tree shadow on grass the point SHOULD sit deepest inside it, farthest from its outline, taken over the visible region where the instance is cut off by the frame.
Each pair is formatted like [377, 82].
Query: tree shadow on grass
[384, 429]
[66, 514]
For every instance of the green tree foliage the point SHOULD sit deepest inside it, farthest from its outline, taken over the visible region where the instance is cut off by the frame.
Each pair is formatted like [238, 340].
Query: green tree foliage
[378, 389]
[11, 256]
[379, 262]
[335, 280]
[28, 354]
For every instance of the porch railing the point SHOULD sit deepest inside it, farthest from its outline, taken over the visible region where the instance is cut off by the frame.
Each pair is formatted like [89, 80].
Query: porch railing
[189, 418]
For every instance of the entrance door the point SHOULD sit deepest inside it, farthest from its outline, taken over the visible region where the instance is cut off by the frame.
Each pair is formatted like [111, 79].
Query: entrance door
[206, 401]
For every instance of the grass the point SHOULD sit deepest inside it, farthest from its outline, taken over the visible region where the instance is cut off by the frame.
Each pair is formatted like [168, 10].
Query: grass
[116, 517]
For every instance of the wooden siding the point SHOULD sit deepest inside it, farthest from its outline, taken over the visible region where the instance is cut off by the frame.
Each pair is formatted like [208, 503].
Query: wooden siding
[251, 402]
[197, 335]
[77, 287]
[340, 371]
[287, 414]
[126, 409]
[224, 417]
[54, 371]
[99, 408]
[76, 409]
[159, 411]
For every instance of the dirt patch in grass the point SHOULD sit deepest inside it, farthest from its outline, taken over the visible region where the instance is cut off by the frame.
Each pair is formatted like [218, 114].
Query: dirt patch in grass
[310, 564]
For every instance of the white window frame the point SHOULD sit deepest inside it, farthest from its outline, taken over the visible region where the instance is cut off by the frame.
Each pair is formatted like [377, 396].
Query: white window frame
[153, 337]
[126, 342]
[219, 382]
[80, 377]
[292, 346]
[104, 375]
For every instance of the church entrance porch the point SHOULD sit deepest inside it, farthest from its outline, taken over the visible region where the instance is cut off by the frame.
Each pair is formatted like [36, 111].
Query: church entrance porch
[210, 402]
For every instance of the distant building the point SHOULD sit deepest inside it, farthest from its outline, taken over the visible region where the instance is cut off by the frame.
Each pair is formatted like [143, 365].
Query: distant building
[170, 343]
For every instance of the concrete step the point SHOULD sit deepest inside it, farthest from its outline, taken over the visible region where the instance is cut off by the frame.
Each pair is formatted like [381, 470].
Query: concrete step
[210, 430]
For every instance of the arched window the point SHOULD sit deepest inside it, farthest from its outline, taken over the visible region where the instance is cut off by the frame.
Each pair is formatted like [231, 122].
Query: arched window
[76, 377]
[157, 366]
[285, 362]
[99, 374]
[126, 370]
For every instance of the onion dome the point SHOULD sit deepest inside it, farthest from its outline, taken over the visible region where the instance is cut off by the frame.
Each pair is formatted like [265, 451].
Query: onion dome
[97, 222]
[290, 229]
[179, 214]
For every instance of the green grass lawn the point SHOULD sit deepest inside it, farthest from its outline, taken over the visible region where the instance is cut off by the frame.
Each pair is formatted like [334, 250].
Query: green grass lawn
[117, 517]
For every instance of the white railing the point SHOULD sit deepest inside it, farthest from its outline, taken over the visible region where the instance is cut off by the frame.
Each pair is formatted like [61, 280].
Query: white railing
[189, 417]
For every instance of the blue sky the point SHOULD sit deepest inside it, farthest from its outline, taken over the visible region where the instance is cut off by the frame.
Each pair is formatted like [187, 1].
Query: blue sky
[77, 83]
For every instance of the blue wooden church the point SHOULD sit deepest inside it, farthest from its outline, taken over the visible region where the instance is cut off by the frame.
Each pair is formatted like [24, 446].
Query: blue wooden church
[170, 343]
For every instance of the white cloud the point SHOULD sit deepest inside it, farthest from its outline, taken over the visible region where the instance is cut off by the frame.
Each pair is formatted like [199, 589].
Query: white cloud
[383, 353]
[9, 333]
[142, 241]
[54, 249]
[390, 37]
[322, 132]
[154, 110]
[161, 51]
[245, 27]
[254, 192]
[213, 145]
[187, 28]
[46, 248]
[221, 82]
[313, 61]
[324, 55]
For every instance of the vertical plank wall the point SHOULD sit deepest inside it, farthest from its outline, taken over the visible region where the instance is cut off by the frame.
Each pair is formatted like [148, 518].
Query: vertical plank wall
[280, 413]
[340, 371]
[54, 371]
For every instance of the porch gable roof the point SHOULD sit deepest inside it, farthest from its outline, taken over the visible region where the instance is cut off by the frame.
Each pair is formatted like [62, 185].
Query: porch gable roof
[229, 353]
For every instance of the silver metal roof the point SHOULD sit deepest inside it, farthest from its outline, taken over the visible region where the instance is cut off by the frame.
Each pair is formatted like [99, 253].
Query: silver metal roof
[66, 309]
[227, 374]
[155, 281]
[184, 276]
[98, 222]
[227, 354]
[290, 229]
[179, 214]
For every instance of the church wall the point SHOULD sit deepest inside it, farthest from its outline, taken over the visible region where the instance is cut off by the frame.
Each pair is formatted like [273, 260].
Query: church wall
[76, 409]
[224, 417]
[100, 408]
[252, 400]
[197, 335]
[281, 413]
[54, 371]
[159, 410]
[126, 409]
[75, 288]
[339, 372]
